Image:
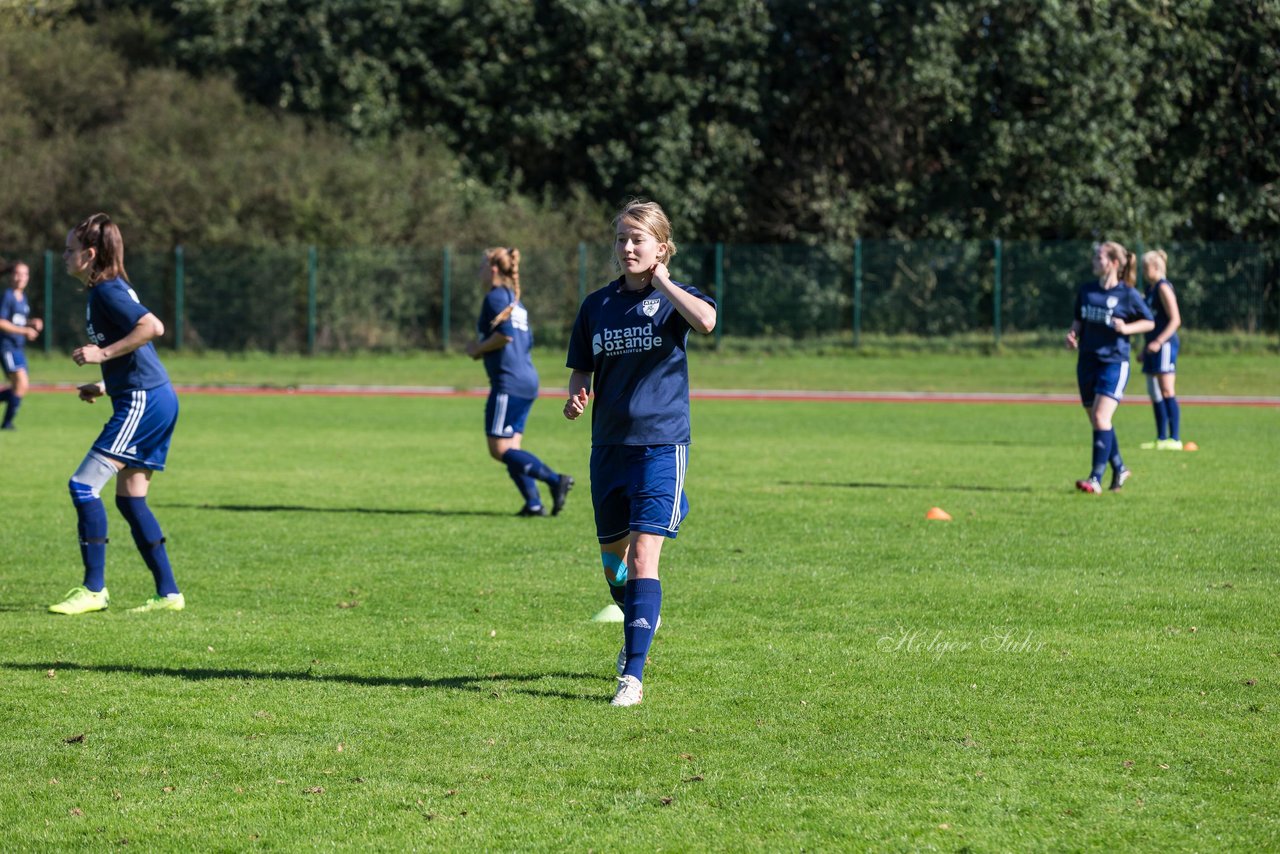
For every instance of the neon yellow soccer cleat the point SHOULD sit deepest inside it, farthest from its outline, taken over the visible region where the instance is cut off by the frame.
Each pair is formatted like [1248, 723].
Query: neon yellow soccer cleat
[172, 602]
[82, 600]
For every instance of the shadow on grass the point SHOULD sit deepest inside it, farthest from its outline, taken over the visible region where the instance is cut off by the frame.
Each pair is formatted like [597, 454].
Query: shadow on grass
[929, 486]
[492, 683]
[299, 508]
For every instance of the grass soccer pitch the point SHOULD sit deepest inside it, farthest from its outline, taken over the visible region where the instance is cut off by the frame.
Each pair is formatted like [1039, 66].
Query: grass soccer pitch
[376, 654]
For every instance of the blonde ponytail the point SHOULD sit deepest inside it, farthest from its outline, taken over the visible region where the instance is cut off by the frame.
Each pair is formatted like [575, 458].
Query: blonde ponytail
[507, 262]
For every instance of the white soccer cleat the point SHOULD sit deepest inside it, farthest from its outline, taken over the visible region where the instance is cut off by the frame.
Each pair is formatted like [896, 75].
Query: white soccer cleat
[1090, 485]
[622, 653]
[630, 692]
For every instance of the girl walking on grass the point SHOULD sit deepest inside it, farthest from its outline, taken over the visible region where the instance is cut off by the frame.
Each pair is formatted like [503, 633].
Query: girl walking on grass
[1107, 311]
[17, 327]
[629, 342]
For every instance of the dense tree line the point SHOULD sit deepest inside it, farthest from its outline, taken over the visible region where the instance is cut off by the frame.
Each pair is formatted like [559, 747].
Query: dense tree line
[85, 127]
[752, 120]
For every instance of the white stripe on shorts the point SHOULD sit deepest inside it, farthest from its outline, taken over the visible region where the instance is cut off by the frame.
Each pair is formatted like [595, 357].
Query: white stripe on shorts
[1124, 379]
[10, 367]
[1166, 353]
[137, 407]
[682, 461]
[499, 425]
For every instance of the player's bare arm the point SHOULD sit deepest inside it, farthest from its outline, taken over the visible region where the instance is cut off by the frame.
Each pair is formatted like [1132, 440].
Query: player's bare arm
[1136, 327]
[1170, 303]
[147, 329]
[699, 314]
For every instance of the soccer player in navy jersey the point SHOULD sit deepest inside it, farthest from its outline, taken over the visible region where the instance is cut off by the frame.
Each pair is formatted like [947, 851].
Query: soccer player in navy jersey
[629, 341]
[17, 327]
[1107, 312]
[504, 341]
[135, 440]
[1160, 359]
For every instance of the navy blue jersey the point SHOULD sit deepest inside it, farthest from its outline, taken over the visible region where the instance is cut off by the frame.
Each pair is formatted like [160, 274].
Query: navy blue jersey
[1095, 309]
[111, 314]
[1157, 309]
[634, 344]
[15, 309]
[510, 369]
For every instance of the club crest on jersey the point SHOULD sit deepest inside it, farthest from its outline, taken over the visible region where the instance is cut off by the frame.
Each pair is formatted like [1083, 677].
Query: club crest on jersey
[650, 307]
[1112, 301]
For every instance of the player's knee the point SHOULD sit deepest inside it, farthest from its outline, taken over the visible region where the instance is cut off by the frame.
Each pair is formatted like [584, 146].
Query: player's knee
[125, 504]
[94, 473]
[615, 569]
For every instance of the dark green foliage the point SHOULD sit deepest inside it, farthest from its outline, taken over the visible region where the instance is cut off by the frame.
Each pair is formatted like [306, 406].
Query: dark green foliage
[183, 160]
[783, 121]
[658, 98]
[429, 122]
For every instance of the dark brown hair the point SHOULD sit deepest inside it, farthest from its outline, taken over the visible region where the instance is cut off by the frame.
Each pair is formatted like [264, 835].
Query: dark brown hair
[102, 235]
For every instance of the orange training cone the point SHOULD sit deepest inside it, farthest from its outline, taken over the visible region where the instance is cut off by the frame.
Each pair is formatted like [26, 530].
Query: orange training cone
[1190, 446]
[939, 514]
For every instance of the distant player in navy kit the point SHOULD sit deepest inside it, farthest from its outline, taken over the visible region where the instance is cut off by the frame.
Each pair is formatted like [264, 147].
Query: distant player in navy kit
[504, 342]
[1160, 358]
[135, 441]
[17, 327]
[629, 338]
[1107, 311]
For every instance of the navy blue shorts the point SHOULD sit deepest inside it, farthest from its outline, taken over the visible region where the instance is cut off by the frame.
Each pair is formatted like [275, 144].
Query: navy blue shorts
[1165, 361]
[1105, 379]
[140, 428]
[13, 359]
[638, 488]
[505, 414]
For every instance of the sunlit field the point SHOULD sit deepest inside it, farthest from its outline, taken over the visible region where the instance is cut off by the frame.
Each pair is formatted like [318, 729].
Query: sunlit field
[377, 653]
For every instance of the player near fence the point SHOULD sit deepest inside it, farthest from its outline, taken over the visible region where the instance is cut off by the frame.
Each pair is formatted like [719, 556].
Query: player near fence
[504, 339]
[135, 440]
[17, 327]
[629, 341]
[1107, 311]
[1160, 358]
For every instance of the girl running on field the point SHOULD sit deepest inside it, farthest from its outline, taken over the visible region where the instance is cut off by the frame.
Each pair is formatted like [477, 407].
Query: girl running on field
[504, 341]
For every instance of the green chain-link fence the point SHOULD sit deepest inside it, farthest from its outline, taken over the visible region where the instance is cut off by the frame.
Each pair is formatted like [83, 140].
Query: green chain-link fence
[321, 300]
